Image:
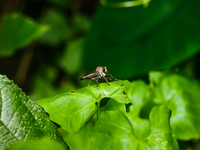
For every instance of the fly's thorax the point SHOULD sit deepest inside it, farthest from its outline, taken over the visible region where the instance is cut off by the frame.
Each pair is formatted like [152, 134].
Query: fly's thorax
[98, 69]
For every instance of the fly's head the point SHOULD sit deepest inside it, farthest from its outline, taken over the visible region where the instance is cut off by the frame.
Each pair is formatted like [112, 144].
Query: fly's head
[105, 69]
[101, 71]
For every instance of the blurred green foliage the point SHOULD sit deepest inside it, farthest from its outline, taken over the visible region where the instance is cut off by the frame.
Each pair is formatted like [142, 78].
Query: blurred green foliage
[182, 96]
[46, 46]
[17, 31]
[59, 29]
[42, 144]
[131, 41]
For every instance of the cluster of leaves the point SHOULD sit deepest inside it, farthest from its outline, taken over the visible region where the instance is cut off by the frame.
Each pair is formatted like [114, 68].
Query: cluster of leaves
[122, 127]
[108, 117]
[125, 115]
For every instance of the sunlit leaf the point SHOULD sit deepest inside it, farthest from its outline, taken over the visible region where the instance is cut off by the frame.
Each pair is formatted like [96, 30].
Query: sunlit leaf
[113, 130]
[17, 31]
[73, 109]
[139, 94]
[181, 94]
[81, 140]
[22, 118]
[42, 144]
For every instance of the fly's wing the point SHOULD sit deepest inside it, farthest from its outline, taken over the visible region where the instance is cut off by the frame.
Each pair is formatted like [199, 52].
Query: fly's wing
[89, 75]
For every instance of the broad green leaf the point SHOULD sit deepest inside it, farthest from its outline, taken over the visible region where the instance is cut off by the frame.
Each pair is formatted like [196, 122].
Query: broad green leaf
[42, 144]
[59, 28]
[141, 39]
[141, 126]
[73, 109]
[22, 118]
[113, 131]
[181, 94]
[17, 31]
[81, 140]
[139, 94]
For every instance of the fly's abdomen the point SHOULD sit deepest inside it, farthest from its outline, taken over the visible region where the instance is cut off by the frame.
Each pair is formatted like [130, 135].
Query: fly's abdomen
[88, 76]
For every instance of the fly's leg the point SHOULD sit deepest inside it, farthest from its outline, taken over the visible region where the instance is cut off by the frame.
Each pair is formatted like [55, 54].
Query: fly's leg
[89, 82]
[106, 81]
[108, 78]
[96, 79]
[112, 78]
[97, 82]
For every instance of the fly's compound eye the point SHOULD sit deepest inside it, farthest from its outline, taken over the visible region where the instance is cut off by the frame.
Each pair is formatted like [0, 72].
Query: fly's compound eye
[104, 69]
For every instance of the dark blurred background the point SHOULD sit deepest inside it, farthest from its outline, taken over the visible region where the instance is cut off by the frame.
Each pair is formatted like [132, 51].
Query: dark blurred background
[46, 46]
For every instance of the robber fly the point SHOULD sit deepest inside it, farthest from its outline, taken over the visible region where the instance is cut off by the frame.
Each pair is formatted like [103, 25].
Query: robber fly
[101, 72]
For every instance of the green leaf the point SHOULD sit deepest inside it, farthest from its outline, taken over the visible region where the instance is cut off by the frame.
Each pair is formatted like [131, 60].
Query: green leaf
[42, 144]
[181, 95]
[73, 109]
[81, 140]
[72, 57]
[141, 126]
[17, 31]
[81, 24]
[113, 130]
[59, 28]
[139, 94]
[143, 39]
[22, 118]
[161, 134]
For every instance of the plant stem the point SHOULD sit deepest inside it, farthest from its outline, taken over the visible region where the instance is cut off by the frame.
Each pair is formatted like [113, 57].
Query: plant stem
[24, 64]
